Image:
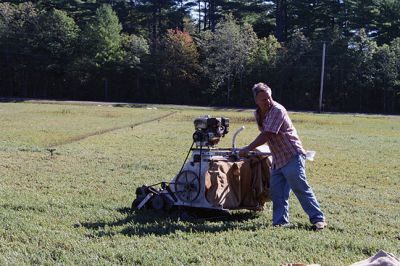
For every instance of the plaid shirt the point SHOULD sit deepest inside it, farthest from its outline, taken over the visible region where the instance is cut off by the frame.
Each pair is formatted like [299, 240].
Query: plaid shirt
[284, 143]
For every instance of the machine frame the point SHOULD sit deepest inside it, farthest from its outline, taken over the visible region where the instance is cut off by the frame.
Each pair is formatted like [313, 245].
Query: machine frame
[187, 188]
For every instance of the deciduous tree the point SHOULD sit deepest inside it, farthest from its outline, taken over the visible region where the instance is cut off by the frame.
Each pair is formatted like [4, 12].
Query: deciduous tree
[228, 50]
[180, 65]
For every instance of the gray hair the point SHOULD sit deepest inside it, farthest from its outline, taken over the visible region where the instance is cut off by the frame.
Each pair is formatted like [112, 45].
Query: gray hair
[259, 87]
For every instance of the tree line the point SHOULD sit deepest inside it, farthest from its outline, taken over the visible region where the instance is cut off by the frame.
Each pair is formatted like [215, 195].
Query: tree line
[204, 52]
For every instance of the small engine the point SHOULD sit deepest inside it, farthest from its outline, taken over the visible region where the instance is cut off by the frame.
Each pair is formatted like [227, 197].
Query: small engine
[209, 130]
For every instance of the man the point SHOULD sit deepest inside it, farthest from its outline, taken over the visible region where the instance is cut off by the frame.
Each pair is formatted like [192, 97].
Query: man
[288, 159]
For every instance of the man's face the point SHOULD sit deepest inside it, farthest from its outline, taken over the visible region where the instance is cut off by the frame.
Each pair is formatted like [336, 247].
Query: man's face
[263, 100]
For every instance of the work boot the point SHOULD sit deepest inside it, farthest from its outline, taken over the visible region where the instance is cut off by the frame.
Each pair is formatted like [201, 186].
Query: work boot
[285, 225]
[320, 225]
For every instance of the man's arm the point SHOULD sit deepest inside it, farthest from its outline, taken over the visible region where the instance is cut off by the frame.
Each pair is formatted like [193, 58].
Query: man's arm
[260, 140]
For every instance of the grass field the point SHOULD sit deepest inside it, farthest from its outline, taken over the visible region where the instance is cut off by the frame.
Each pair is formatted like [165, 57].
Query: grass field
[73, 207]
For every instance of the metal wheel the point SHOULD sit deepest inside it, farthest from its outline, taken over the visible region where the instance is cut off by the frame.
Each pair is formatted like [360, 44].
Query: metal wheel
[187, 186]
[135, 204]
[157, 202]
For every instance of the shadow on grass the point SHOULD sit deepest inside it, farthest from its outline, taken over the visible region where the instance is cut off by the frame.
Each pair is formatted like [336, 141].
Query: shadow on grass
[150, 222]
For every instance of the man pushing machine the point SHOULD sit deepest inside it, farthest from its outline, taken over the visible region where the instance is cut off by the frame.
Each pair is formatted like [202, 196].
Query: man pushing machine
[288, 159]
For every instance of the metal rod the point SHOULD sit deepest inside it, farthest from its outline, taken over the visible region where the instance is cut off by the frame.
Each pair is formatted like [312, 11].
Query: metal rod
[234, 137]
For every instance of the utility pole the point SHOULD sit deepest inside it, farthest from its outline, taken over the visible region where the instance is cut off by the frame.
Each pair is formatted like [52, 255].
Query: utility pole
[321, 89]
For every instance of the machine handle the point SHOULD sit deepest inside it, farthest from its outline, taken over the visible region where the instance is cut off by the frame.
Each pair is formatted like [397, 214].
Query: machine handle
[234, 137]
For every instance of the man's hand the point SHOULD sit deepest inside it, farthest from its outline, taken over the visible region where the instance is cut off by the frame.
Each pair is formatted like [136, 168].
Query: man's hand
[260, 140]
[243, 152]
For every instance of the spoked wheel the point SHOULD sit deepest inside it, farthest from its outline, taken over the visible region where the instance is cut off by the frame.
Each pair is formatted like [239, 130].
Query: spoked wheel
[187, 186]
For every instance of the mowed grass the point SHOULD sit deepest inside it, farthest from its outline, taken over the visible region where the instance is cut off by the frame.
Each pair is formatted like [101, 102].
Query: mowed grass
[73, 207]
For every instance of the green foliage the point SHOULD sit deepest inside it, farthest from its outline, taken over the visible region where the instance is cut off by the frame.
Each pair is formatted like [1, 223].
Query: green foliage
[388, 21]
[179, 66]
[156, 17]
[108, 53]
[103, 37]
[363, 46]
[3, 18]
[189, 26]
[18, 25]
[325, 16]
[395, 48]
[180, 49]
[298, 72]
[366, 14]
[266, 52]
[385, 74]
[73, 207]
[135, 48]
[52, 32]
[297, 47]
[363, 50]
[375, 72]
[385, 67]
[57, 34]
[172, 69]
[70, 49]
[263, 62]
[227, 53]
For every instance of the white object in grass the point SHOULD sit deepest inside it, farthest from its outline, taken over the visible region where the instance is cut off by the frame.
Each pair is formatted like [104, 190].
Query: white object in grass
[310, 155]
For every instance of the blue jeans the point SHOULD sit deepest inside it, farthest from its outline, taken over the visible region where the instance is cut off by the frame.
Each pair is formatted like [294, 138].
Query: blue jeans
[292, 176]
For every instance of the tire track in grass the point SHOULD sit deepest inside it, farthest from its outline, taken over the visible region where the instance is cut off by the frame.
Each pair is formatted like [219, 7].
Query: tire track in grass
[104, 131]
